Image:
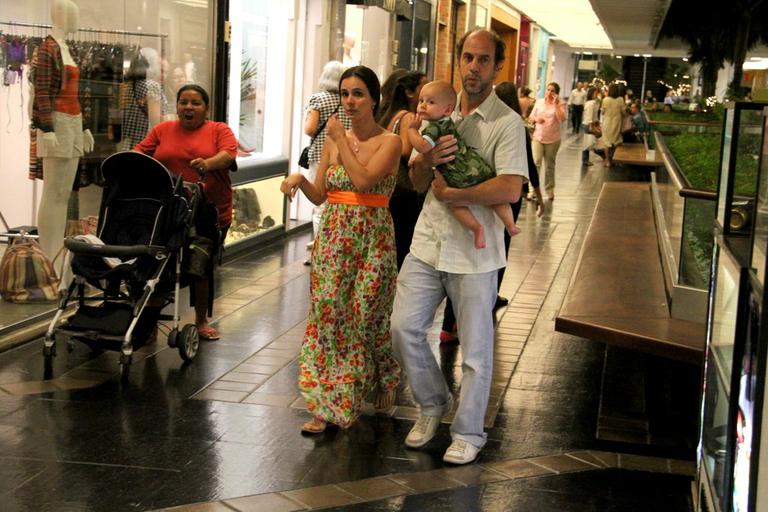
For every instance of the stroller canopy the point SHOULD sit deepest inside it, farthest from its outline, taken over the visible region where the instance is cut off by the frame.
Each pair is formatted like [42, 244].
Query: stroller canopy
[142, 204]
[133, 174]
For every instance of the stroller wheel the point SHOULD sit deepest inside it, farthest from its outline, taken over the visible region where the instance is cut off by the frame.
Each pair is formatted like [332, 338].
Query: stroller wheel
[125, 366]
[173, 338]
[188, 341]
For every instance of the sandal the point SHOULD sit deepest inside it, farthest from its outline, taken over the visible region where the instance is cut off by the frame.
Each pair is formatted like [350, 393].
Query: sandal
[314, 426]
[449, 337]
[208, 333]
[384, 399]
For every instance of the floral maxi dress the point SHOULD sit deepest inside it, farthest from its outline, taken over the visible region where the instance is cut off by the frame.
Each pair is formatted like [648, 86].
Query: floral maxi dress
[347, 348]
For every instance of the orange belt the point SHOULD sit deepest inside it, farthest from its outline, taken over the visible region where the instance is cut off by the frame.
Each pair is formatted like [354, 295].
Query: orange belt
[357, 198]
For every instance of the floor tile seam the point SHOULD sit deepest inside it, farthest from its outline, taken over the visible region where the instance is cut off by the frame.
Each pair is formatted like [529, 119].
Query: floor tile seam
[27, 480]
[336, 487]
[52, 382]
[445, 473]
[260, 296]
[230, 507]
[541, 304]
[270, 375]
[110, 375]
[551, 279]
[88, 463]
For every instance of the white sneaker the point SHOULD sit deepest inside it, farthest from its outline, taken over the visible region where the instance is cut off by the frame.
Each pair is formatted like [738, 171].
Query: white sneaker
[423, 431]
[460, 452]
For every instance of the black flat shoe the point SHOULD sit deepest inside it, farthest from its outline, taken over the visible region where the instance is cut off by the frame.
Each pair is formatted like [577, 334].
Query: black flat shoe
[501, 302]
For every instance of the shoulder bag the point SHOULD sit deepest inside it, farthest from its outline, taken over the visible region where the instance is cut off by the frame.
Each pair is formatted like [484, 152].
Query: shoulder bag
[304, 158]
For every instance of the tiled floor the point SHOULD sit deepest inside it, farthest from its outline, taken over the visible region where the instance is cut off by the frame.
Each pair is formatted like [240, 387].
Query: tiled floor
[222, 433]
[388, 492]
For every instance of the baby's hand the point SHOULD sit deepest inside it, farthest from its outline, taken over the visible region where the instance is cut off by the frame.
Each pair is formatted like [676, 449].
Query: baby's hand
[415, 123]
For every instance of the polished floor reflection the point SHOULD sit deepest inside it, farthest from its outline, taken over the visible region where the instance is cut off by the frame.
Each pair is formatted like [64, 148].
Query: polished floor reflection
[222, 433]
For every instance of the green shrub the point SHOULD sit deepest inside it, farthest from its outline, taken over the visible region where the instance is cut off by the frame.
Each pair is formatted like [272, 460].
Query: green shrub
[698, 155]
[701, 117]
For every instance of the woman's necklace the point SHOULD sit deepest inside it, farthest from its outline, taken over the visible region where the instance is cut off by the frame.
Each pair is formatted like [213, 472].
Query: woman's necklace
[354, 144]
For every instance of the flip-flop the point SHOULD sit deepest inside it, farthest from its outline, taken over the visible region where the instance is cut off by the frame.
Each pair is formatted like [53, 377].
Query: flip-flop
[384, 400]
[208, 333]
[311, 427]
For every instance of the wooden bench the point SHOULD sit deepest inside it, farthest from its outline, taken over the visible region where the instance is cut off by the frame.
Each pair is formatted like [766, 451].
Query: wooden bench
[617, 294]
[637, 154]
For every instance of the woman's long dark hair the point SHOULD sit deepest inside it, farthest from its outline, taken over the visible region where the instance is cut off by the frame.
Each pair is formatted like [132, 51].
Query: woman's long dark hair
[398, 100]
[507, 93]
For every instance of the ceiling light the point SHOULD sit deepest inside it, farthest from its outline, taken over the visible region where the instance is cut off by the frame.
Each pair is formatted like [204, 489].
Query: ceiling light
[573, 21]
[756, 64]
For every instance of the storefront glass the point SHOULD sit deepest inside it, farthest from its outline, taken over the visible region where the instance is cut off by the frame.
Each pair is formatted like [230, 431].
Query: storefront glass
[257, 51]
[367, 39]
[165, 44]
[169, 43]
[413, 31]
[256, 113]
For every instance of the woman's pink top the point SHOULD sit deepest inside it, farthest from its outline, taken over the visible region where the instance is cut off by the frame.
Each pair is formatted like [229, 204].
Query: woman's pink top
[548, 131]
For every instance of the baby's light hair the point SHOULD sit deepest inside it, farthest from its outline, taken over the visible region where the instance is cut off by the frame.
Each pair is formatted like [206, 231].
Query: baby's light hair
[443, 91]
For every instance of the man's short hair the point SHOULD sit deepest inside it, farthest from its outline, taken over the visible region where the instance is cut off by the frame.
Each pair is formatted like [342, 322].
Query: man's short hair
[500, 47]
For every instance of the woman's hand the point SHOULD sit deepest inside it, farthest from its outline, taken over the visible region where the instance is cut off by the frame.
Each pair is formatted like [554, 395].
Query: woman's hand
[200, 165]
[291, 185]
[335, 130]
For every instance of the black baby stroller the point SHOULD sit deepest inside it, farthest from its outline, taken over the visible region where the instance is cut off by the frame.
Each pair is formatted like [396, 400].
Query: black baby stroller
[145, 221]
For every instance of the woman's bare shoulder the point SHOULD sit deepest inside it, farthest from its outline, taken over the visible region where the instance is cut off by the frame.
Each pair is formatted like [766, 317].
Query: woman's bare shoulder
[384, 135]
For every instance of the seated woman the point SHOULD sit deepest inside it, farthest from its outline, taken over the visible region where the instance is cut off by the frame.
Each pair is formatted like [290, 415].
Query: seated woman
[198, 150]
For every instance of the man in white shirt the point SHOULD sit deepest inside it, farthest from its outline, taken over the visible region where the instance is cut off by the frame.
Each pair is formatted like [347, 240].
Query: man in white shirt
[444, 261]
[576, 102]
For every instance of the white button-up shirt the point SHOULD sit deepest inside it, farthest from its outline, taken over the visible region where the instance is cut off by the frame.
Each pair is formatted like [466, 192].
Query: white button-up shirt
[498, 134]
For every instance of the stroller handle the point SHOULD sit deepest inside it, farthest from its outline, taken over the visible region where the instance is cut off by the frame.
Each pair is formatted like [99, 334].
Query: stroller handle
[117, 251]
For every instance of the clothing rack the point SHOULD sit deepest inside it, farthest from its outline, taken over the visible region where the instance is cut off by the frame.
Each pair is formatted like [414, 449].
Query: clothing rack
[85, 29]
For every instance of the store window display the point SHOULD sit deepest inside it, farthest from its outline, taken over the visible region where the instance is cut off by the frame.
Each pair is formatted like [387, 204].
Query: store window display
[141, 103]
[367, 38]
[56, 114]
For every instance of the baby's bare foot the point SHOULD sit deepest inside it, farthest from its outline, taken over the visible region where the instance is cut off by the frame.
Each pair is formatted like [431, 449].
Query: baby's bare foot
[513, 230]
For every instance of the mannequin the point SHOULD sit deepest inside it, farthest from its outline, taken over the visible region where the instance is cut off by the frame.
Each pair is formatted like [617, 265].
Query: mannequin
[56, 115]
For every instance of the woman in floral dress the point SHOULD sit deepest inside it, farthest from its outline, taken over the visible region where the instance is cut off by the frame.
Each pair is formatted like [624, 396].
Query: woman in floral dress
[347, 350]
